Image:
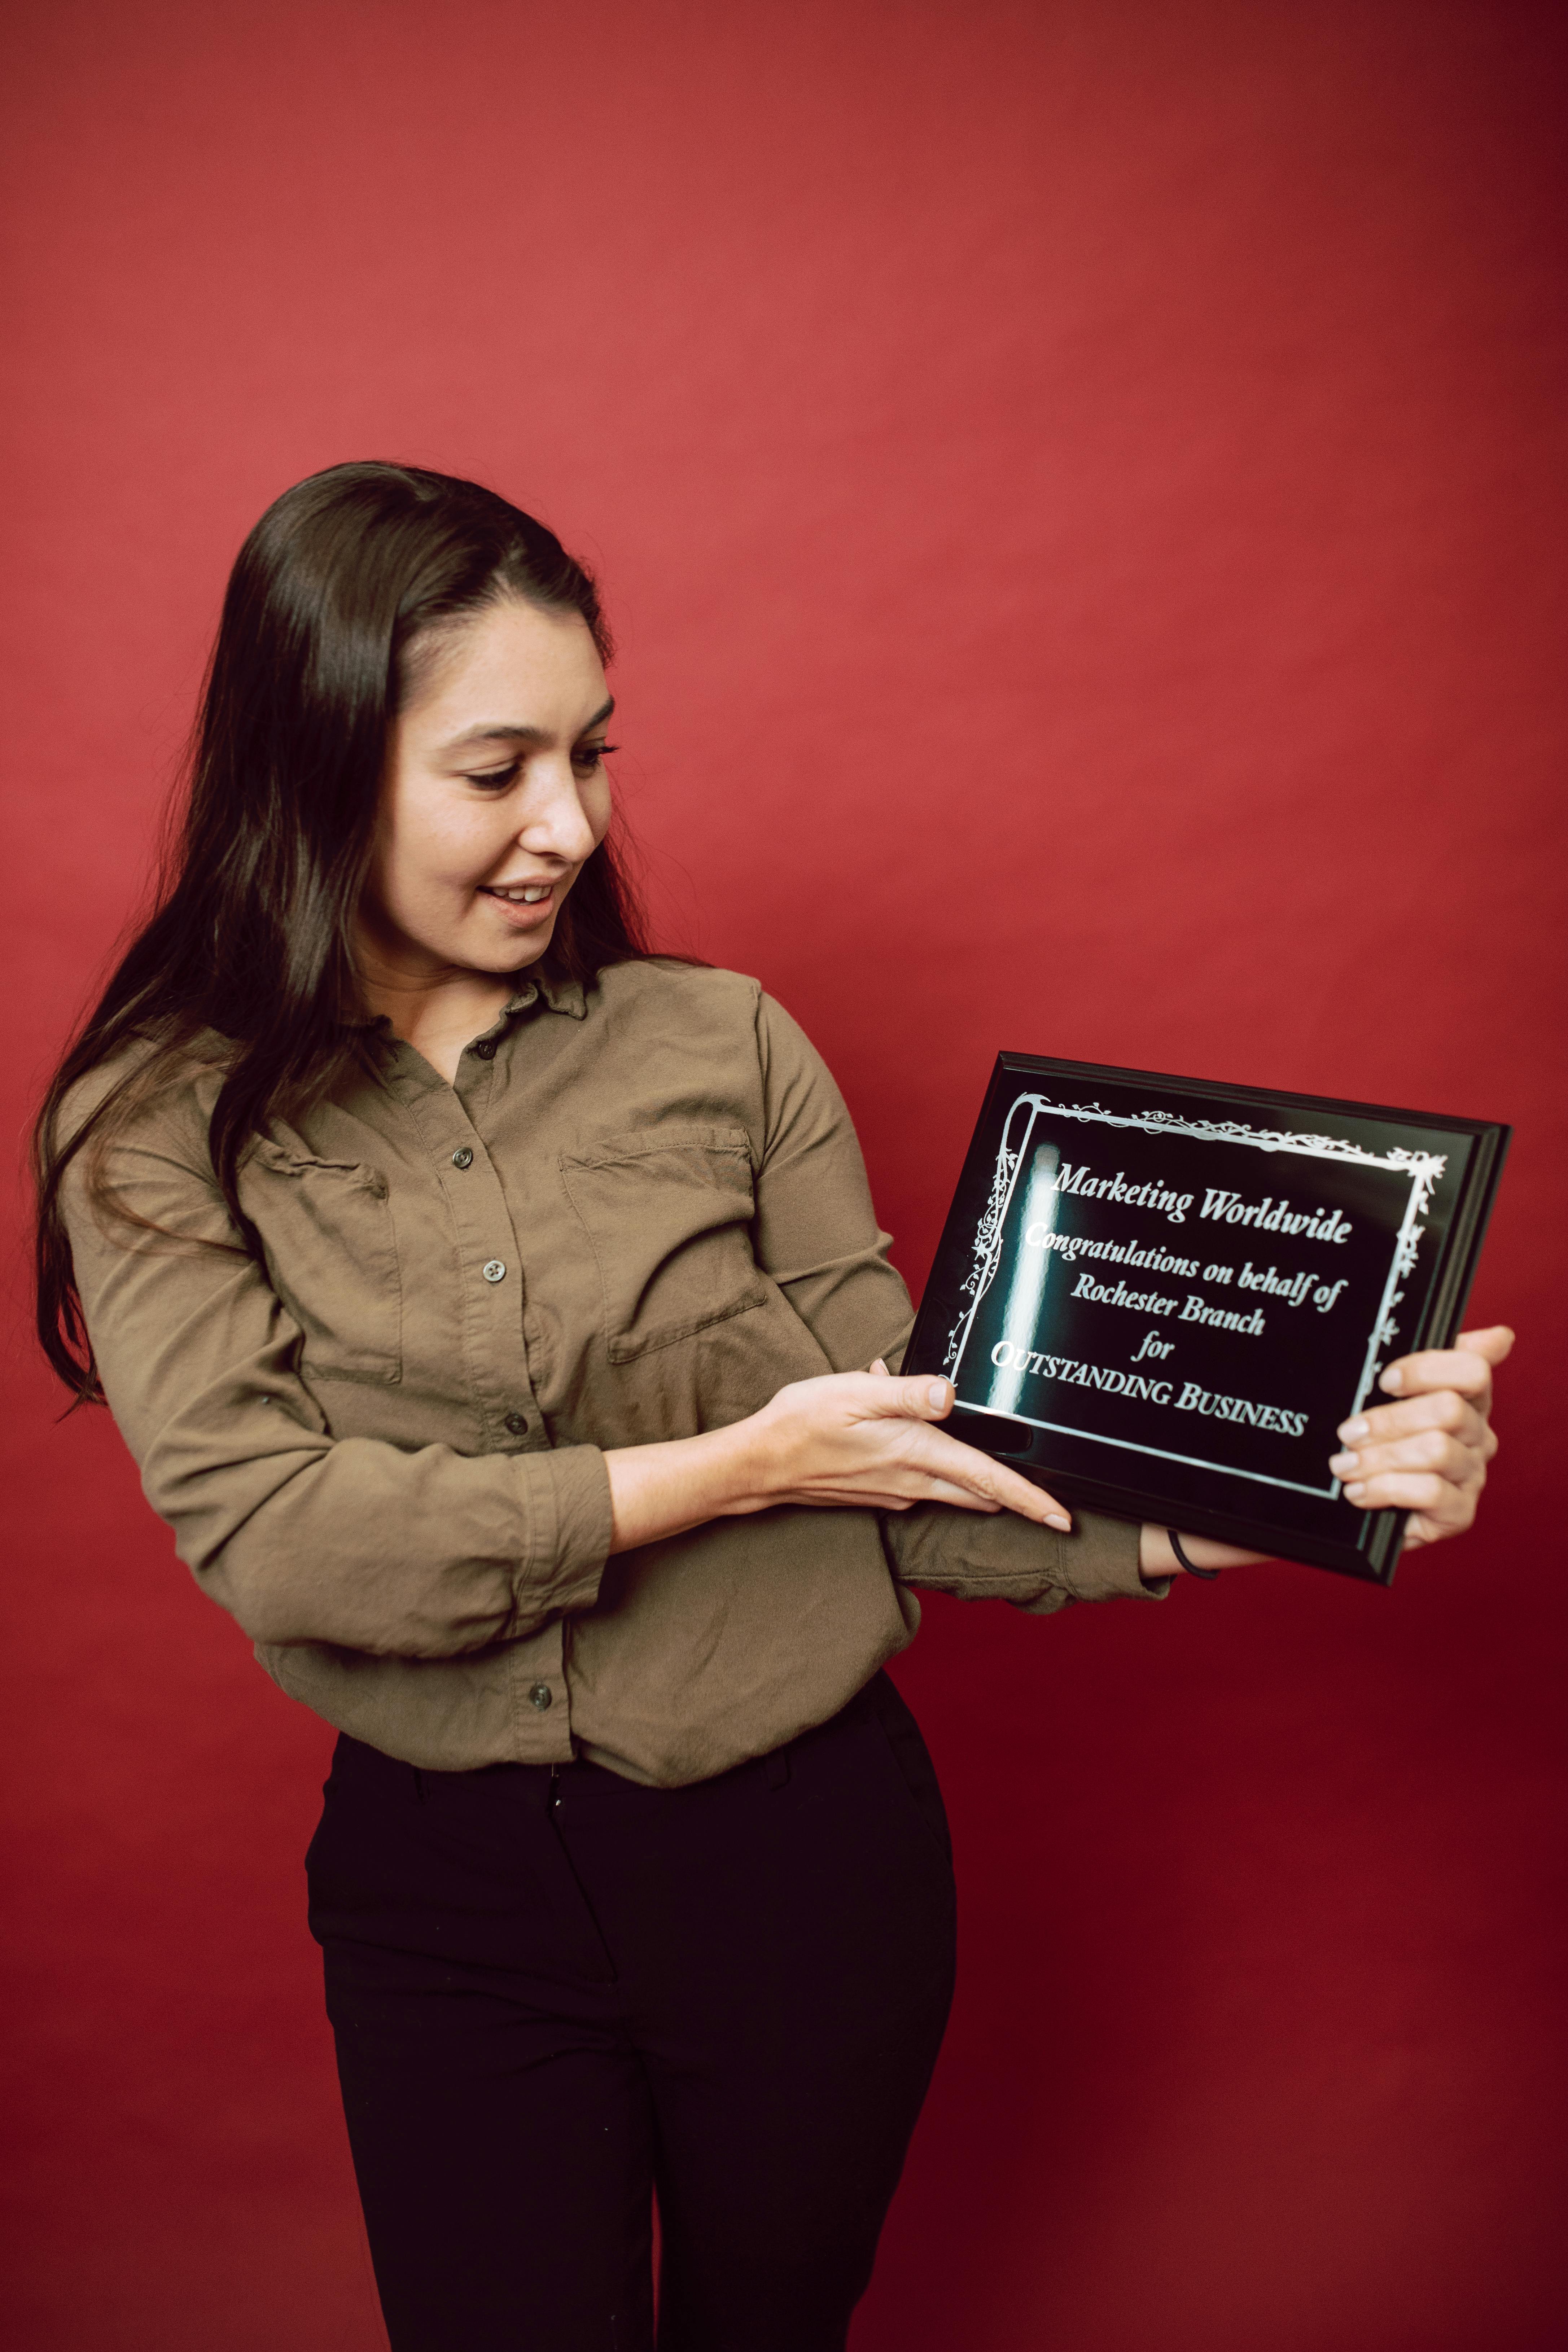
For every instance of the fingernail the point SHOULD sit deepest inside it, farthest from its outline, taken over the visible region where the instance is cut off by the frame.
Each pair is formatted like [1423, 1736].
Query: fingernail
[1354, 1493]
[936, 1396]
[1352, 1432]
[1341, 1464]
[1058, 1519]
[878, 1365]
[1393, 1380]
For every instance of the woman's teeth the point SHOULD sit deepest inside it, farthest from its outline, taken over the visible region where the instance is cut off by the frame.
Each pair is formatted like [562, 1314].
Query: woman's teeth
[528, 896]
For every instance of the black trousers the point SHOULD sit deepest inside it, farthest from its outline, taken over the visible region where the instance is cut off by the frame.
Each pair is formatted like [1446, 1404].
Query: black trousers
[555, 1991]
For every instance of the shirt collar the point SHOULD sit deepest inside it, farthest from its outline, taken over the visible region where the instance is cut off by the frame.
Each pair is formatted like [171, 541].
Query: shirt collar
[559, 995]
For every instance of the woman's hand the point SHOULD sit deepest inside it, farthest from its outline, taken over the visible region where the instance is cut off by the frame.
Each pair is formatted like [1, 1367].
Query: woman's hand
[844, 1439]
[867, 1438]
[1427, 1454]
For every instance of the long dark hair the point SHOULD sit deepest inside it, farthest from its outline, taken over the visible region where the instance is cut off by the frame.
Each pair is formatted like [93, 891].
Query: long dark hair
[250, 935]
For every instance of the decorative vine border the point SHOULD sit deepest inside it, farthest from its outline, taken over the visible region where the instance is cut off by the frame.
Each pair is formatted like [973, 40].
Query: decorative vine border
[1423, 1168]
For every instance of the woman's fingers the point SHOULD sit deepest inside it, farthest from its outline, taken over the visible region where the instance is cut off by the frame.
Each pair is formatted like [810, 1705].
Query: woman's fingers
[1426, 1449]
[1444, 1410]
[1445, 1507]
[967, 1476]
[884, 1396]
[1428, 1457]
[898, 1498]
[1496, 1344]
[1427, 1454]
[1467, 1366]
[1452, 1367]
[866, 1437]
[963, 1474]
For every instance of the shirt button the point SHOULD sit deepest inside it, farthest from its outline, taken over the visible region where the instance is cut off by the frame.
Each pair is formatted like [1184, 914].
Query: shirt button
[462, 1157]
[485, 1049]
[493, 1270]
[542, 1696]
[517, 1422]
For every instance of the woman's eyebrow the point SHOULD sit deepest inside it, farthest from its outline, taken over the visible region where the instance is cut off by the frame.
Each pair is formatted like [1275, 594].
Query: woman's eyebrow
[508, 731]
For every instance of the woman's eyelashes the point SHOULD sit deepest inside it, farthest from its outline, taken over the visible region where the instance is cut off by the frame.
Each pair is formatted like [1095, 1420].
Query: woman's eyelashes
[585, 758]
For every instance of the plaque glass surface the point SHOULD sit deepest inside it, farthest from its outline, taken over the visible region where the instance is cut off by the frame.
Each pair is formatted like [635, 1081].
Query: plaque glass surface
[1159, 1298]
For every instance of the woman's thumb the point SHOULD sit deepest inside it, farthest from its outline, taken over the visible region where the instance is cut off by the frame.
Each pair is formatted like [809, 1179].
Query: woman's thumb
[924, 1397]
[1495, 1343]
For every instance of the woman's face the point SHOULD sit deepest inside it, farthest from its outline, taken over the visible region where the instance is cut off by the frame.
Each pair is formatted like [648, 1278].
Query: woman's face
[494, 796]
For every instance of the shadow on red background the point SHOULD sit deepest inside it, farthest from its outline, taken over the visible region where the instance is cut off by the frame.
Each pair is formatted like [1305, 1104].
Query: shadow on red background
[1079, 489]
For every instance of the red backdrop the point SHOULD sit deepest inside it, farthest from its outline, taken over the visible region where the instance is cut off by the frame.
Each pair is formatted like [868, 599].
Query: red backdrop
[1079, 488]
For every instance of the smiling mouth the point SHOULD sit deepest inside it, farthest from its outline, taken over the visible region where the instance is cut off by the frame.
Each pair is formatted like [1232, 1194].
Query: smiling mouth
[520, 894]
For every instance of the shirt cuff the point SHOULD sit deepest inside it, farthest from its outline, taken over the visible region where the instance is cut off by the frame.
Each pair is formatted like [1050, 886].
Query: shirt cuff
[1099, 1561]
[571, 1525]
[1001, 1557]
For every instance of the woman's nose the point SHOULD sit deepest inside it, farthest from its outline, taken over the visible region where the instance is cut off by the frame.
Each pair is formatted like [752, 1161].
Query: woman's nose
[554, 823]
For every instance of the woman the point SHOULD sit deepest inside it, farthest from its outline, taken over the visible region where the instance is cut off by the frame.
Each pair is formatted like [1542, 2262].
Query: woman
[498, 1318]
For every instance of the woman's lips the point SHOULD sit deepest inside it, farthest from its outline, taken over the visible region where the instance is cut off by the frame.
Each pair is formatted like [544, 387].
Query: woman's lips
[517, 914]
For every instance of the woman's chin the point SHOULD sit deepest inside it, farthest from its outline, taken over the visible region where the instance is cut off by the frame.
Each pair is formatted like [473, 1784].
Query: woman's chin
[513, 950]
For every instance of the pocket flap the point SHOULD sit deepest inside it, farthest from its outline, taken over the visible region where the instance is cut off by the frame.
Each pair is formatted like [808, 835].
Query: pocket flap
[668, 1212]
[331, 1256]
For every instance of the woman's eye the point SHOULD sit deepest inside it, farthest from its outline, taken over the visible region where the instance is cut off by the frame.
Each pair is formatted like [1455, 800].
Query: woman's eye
[585, 759]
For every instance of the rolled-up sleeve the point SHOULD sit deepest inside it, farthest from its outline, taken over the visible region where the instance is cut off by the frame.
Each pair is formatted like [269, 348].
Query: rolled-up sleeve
[303, 1536]
[1000, 1557]
[818, 1235]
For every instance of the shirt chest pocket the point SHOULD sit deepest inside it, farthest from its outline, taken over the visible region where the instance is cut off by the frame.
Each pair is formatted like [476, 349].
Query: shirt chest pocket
[331, 1256]
[669, 1212]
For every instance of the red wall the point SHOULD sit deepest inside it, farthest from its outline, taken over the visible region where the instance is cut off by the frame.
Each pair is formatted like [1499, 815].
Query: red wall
[1080, 487]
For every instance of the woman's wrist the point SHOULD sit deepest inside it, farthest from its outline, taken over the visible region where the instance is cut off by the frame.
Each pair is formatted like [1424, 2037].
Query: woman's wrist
[666, 1488]
[1157, 1559]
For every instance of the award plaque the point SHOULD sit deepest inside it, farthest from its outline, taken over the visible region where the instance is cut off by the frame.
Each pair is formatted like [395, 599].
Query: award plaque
[1159, 1298]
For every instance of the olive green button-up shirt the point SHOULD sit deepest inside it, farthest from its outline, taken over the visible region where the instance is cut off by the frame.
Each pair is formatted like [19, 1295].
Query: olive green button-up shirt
[639, 1212]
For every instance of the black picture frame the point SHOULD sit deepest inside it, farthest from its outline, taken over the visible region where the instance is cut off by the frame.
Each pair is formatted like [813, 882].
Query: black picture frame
[1096, 1268]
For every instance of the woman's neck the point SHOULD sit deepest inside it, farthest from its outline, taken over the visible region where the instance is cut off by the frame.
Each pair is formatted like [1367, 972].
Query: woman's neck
[437, 1013]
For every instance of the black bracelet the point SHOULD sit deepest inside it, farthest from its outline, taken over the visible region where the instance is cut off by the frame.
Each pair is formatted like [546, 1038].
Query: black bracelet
[1208, 1574]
